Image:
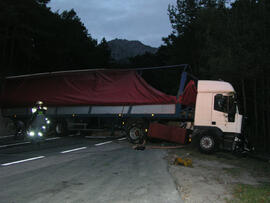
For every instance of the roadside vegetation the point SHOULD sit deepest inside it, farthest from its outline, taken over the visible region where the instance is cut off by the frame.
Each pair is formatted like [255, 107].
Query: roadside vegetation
[251, 194]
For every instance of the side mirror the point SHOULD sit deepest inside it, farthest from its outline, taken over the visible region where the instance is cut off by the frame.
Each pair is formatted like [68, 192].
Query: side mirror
[232, 112]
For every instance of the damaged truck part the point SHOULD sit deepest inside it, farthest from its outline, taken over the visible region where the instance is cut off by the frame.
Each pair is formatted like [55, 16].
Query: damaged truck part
[122, 99]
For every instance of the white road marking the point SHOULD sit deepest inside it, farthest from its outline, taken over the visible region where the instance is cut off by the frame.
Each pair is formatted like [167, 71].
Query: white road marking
[16, 144]
[73, 150]
[23, 143]
[103, 143]
[3, 137]
[53, 138]
[122, 138]
[21, 161]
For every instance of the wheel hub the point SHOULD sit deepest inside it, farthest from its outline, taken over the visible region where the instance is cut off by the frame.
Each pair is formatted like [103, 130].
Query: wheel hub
[135, 133]
[206, 142]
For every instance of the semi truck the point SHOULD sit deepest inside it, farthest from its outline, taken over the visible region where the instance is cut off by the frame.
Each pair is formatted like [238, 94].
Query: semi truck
[85, 100]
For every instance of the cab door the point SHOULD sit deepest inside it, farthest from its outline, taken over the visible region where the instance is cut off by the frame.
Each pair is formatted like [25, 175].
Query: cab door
[221, 116]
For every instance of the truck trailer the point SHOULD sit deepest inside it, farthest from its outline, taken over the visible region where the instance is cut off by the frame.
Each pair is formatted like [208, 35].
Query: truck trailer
[121, 99]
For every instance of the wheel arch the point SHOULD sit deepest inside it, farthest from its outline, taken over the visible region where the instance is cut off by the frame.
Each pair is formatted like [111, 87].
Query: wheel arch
[214, 131]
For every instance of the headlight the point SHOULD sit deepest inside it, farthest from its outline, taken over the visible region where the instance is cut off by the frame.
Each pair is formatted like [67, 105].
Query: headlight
[43, 127]
[31, 133]
[48, 121]
[40, 134]
[34, 110]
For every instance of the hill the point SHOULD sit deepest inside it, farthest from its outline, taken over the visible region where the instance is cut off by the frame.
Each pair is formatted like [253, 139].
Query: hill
[122, 49]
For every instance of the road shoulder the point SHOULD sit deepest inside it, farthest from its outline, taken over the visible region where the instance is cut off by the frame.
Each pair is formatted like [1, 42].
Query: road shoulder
[214, 178]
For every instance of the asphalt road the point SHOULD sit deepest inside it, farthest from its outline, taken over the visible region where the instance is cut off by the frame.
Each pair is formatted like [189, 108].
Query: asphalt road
[76, 169]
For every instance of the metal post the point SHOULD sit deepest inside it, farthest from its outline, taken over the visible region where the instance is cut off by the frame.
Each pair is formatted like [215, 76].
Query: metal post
[182, 84]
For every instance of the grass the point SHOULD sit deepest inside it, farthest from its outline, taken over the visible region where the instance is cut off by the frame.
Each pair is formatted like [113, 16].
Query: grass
[251, 194]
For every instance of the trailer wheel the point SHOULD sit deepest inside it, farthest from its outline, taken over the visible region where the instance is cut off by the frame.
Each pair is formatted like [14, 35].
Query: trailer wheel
[207, 143]
[135, 132]
[61, 128]
[20, 129]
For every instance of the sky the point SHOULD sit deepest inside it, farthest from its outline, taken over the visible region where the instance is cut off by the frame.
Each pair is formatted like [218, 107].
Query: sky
[143, 20]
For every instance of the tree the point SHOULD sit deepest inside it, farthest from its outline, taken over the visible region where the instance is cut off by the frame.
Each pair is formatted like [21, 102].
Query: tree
[34, 39]
[220, 42]
[231, 43]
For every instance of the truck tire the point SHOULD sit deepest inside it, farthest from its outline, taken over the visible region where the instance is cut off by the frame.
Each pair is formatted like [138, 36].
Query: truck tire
[20, 129]
[135, 131]
[207, 143]
[61, 128]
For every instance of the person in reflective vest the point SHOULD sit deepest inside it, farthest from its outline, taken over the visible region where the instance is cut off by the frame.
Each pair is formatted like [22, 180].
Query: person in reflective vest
[39, 122]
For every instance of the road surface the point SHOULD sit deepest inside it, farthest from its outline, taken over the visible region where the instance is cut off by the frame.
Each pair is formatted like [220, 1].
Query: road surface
[76, 169]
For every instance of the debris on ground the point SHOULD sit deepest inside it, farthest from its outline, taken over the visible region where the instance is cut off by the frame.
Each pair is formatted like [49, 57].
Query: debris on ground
[139, 147]
[185, 161]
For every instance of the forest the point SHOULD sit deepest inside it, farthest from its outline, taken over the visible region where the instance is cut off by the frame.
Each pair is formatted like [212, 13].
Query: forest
[224, 41]
[218, 39]
[35, 39]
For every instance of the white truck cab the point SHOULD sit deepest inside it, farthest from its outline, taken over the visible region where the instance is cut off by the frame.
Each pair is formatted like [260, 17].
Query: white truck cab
[217, 118]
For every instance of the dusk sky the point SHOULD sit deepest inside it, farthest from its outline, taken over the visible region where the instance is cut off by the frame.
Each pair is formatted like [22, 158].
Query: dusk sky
[144, 20]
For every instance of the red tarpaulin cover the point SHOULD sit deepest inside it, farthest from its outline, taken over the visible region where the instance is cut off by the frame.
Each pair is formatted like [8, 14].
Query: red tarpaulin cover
[87, 88]
[190, 93]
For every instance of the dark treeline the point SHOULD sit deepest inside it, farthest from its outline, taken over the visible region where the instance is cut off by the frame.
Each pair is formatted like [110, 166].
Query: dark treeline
[225, 42]
[35, 39]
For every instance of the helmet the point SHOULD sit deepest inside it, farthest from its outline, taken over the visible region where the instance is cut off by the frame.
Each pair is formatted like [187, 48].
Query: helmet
[39, 104]
[39, 107]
